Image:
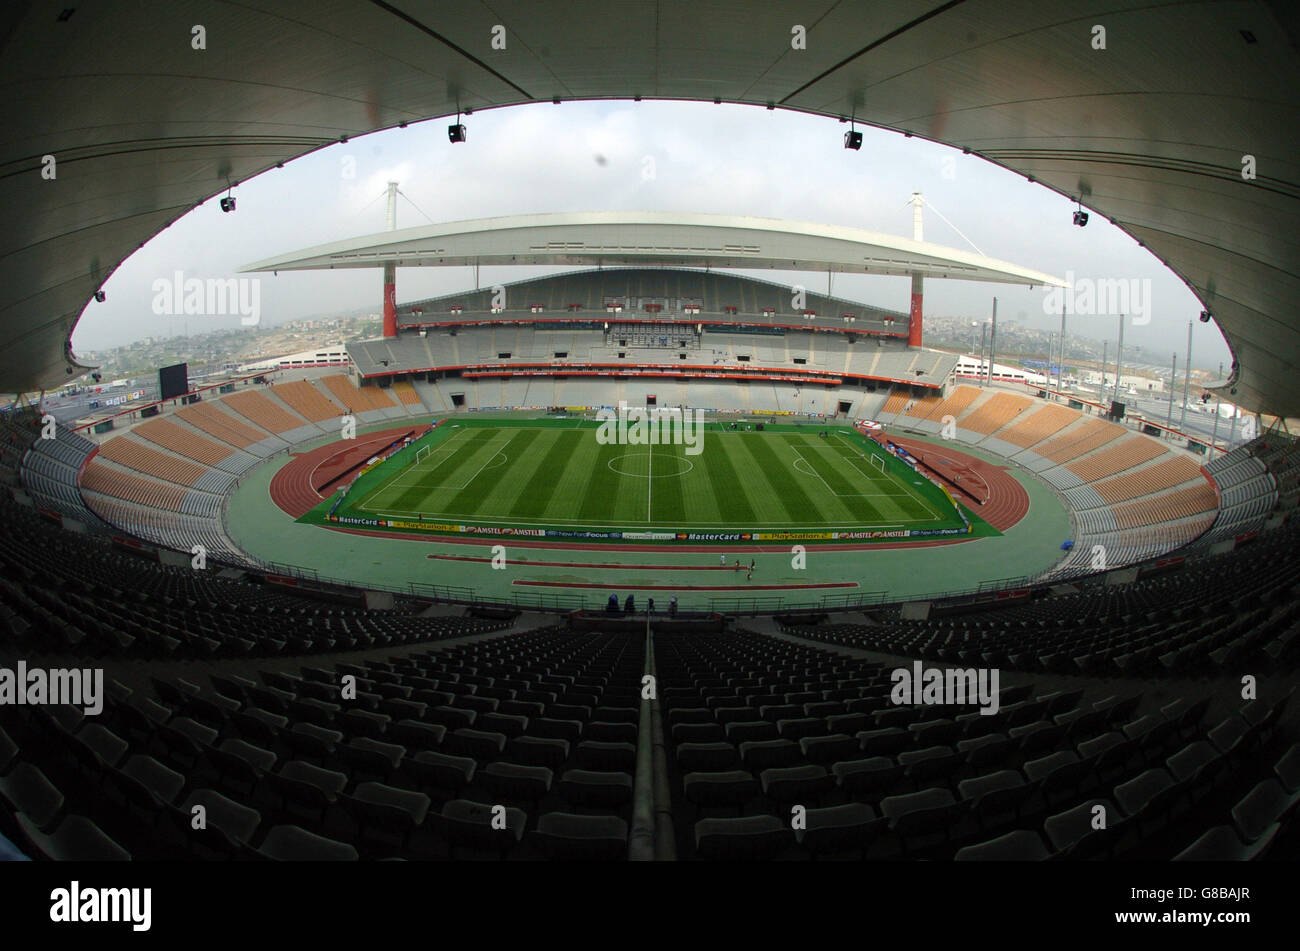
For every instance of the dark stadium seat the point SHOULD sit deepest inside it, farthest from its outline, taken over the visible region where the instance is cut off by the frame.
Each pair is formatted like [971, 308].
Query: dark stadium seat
[77, 839]
[290, 843]
[26, 790]
[1019, 846]
[744, 839]
[565, 836]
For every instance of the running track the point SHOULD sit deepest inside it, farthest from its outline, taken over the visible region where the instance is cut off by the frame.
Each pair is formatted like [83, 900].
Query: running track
[293, 487]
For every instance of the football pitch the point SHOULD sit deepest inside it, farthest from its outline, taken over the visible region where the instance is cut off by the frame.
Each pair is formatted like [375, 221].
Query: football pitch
[558, 475]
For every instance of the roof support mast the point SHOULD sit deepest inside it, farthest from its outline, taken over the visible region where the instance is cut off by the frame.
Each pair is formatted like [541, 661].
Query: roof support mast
[390, 269]
[918, 282]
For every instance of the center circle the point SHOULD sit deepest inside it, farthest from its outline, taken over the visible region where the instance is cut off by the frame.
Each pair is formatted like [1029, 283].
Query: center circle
[640, 465]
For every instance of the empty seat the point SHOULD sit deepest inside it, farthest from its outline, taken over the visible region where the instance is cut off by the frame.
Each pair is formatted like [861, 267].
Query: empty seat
[764, 754]
[996, 796]
[829, 748]
[76, 839]
[290, 843]
[594, 754]
[565, 836]
[27, 790]
[1019, 846]
[750, 838]
[308, 787]
[1266, 804]
[1221, 844]
[474, 825]
[386, 808]
[512, 781]
[849, 827]
[871, 774]
[585, 787]
[729, 787]
[441, 770]
[478, 744]
[227, 825]
[795, 784]
[692, 757]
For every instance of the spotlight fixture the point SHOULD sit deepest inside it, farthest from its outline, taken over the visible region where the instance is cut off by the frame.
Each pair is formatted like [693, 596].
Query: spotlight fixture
[456, 132]
[852, 138]
[1205, 316]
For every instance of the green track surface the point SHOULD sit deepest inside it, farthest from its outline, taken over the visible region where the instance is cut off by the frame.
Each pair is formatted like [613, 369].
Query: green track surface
[558, 475]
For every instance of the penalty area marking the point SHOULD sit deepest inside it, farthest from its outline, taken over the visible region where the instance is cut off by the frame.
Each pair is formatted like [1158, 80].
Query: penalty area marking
[398, 483]
[846, 495]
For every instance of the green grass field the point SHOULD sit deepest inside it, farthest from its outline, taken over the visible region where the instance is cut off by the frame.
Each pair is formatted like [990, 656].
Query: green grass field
[555, 474]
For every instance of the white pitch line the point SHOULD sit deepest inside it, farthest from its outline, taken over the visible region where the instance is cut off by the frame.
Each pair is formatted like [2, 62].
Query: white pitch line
[363, 505]
[912, 495]
[915, 495]
[649, 483]
[484, 466]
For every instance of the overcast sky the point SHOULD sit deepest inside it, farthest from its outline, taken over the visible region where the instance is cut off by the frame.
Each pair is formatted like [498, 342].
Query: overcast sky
[656, 156]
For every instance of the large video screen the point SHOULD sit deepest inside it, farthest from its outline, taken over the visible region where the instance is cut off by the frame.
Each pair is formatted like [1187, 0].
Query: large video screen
[174, 380]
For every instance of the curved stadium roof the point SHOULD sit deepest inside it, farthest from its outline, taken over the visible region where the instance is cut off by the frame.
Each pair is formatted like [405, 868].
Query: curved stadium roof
[1151, 132]
[664, 239]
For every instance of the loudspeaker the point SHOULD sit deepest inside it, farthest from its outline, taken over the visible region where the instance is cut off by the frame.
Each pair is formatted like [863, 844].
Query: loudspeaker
[456, 133]
[1117, 410]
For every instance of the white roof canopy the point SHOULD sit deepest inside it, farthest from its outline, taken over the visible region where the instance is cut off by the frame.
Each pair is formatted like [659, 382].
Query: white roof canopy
[659, 239]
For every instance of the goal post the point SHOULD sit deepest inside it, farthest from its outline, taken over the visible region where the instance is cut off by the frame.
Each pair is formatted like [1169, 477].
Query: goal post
[421, 453]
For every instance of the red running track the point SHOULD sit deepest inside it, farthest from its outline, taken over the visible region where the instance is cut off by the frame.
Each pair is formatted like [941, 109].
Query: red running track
[293, 488]
[1008, 501]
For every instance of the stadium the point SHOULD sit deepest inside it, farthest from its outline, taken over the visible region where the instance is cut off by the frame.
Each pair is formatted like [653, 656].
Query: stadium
[648, 559]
